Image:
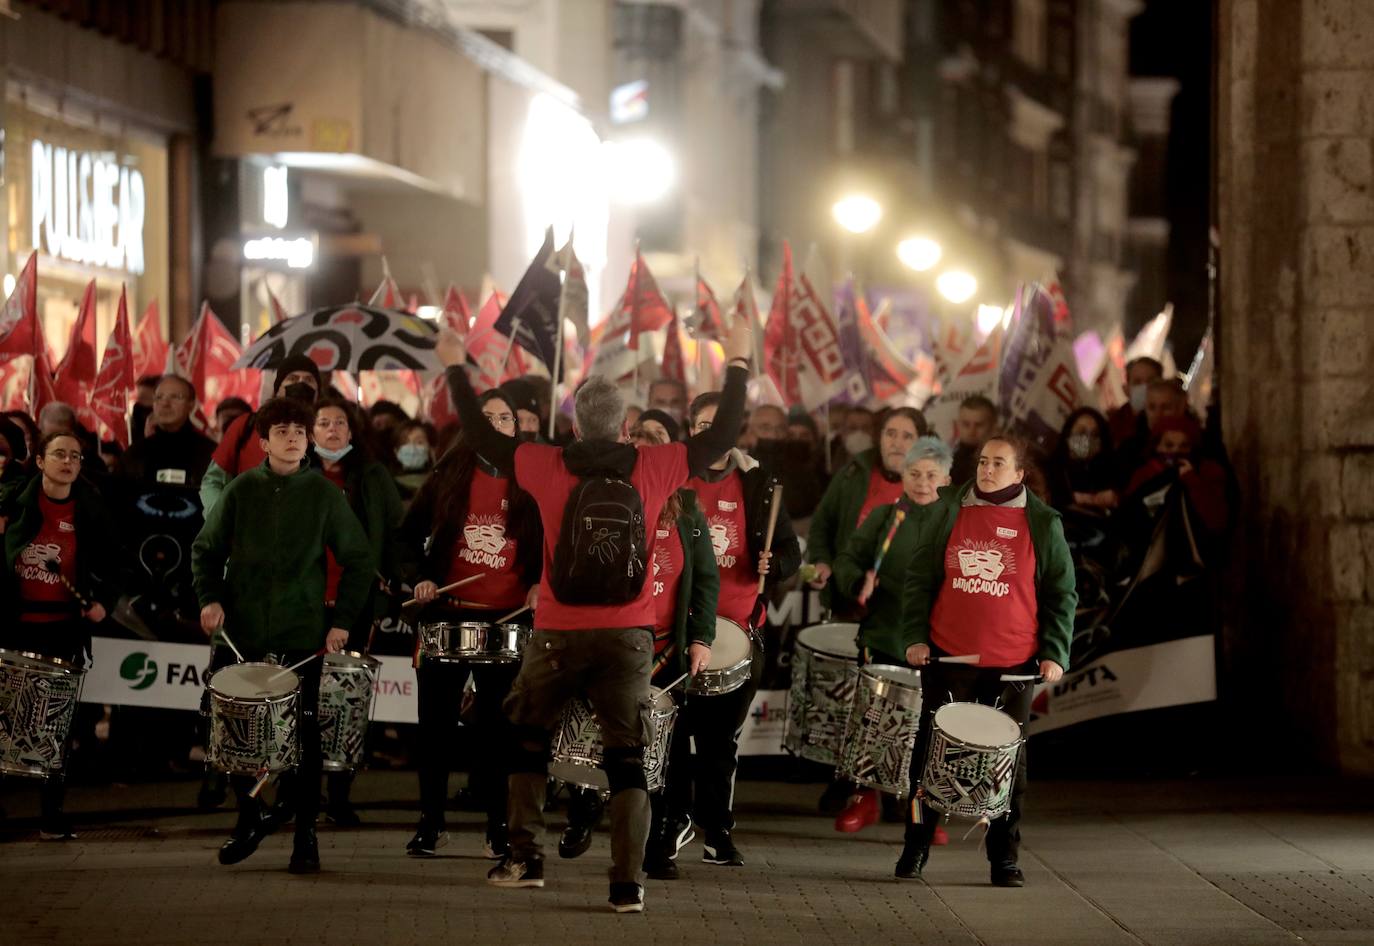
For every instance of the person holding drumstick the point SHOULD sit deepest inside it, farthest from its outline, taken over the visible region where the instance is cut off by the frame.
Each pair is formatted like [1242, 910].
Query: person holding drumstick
[871, 569]
[259, 567]
[60, 578]
[990, 576]
[469, 520]
[754, 544]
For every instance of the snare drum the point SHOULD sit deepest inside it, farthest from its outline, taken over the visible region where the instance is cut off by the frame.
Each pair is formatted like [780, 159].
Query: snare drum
[972, 761]
[348, 683]
[824, 662]
[881, 729]
[576, 753]
[473, 641]
[253, 719]
[38, 696]
[732, 659]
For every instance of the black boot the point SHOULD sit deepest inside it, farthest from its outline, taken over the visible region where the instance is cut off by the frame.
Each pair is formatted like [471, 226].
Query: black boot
[305, 853]
[247, 834]
[913, 860]
[340, 809]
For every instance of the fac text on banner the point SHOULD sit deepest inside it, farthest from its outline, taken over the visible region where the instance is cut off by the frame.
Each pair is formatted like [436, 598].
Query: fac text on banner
[1124, 681]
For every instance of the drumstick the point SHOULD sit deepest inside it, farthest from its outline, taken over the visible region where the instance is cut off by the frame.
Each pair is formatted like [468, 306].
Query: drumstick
[297, 665]
[1021, 678]
[225, 634]
[960, 659]
[445, 589]
[772, 525]
[506, 617]
[53, 567]
[674, 683]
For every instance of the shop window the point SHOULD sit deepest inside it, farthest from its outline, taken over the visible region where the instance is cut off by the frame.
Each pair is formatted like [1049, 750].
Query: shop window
[1028, 33]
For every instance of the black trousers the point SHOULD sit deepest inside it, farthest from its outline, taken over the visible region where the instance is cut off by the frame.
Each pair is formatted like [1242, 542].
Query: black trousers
[960, 683]
[303, 785]
[440, 698]
[702, 783]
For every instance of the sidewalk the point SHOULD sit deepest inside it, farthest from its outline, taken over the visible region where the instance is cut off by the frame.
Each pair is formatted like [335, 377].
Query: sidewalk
[1219, 862]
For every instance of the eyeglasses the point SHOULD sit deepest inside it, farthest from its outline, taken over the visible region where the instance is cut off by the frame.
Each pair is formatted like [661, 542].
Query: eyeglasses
[170, 397]
[702, 425]
[62, 456]
[499, 420]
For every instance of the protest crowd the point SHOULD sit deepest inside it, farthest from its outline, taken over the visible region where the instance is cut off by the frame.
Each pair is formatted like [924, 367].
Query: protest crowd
[286, 507]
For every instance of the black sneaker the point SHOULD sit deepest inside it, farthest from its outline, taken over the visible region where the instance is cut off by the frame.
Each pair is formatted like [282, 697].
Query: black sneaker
[681, 835]
[428, 839]
[513, 872]
[305, 852]
[252, 827]
[1007, 874]
[627, 898]
[658, 862]
[575, 841]
[912, 861]
[719, 849]
[56, 829]
[344, 815]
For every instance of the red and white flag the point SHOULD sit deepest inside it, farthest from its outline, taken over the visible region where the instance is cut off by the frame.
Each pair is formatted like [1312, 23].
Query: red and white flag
[75, 376]
[150, 348]
[387, 295]
[978, 376]
[780, 349]
[496, 359]
[20, 333]
[278, 314]
[673, 366]
[643, 304]
[116, 378]
[206, 358]
[457, 315]
[706, 321]
[892, 377]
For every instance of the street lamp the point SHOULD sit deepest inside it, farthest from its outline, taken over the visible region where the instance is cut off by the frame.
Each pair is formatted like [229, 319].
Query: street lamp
[988, 317]
[956, 285]
[642, 170]
[919, 253]
[857, 213]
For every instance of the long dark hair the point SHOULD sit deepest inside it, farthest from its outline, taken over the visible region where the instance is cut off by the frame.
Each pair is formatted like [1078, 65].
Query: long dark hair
[449, 485]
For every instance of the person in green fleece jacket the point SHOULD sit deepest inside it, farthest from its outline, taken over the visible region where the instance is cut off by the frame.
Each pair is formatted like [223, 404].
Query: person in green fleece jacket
[990, 579]
[871, 570]
[258, 566]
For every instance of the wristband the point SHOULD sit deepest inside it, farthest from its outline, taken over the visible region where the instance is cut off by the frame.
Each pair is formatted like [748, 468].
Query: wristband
[743, 362]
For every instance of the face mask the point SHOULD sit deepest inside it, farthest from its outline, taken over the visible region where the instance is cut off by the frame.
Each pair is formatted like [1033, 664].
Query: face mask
[1138, 397]
[856, 442]
[413, 456]
[333, 456]
[299, 391]
[1081, 446]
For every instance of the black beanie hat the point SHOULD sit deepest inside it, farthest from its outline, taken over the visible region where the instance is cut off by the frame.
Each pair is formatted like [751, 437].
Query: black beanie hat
[663, 418]
[295, 363]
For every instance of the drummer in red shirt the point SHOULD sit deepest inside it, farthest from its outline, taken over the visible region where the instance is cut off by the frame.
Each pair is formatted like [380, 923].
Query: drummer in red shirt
[991, 576]
[468, 519]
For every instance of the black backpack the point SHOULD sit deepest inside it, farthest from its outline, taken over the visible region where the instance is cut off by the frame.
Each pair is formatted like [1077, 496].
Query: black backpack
[601, 556]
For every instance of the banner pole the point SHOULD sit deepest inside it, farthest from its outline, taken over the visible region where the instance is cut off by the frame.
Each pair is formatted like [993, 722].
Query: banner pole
[510, 345]
[554, 383]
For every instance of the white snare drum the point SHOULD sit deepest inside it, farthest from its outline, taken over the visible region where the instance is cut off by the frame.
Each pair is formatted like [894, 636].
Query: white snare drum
[38, 696]
[732, 659]
[823, 673]
[348, 683]
[576, 752]
[253, 718]
[881, 729]
[972, 761]
[473, 641]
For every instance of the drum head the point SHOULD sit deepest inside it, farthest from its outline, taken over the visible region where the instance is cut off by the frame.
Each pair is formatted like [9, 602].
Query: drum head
[254, 681]
[732, 645]
[39, 662]
[901, 676]
[350, 660]
[977, 725]
[838, 640]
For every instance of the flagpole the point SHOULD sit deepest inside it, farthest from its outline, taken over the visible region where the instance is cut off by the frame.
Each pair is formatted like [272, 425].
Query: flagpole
[557, 363]
[510, 345]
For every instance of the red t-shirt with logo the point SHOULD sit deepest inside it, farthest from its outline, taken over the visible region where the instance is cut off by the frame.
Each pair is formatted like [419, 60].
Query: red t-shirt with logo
[42, 596]
[880, 492]
[333, 571]
[723, 505]
[986, 604]
[539, 469]
[484, 548]
[666, 575]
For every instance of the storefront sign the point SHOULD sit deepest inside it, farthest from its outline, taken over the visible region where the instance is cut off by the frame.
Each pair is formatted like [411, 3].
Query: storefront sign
[86, 207]
[297, 253]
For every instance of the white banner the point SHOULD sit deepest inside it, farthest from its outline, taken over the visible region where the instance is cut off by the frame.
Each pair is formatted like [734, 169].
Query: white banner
[762, 734]
[1142, 678]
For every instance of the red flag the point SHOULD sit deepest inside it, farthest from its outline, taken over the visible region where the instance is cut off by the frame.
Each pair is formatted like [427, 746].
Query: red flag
[110, 394]
[780, 349]
[150, 348]
[387, 295]
[207, 358]
[20, 333]
[496, 358]
[41, 390]
[1062, 318]
[706, 317]
[75, 375]
[457, 315]
[647, 309]
[673, 365]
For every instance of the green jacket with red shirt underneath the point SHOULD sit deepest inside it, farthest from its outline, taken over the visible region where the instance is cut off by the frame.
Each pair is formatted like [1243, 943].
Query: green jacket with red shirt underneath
[97, 542]
[1056, 594]
[837, 518]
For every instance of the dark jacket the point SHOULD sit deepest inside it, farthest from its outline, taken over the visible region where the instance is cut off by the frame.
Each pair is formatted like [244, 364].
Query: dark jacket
[699, 588]
[186, 449]
[261, 556]
[98, 558]
[880, 628]
[1056, 595]
[836, 519]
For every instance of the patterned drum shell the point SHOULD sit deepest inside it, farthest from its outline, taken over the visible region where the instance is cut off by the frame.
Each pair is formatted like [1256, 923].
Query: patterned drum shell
[348, 682]
[972, 761]
[38, 697]
[881, 729]
[824, 662]
[576, 751]
[253, 719]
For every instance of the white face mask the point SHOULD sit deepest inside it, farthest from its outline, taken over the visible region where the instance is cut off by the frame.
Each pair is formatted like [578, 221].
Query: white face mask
[1138, 397]
[333, 456]
[857, 441]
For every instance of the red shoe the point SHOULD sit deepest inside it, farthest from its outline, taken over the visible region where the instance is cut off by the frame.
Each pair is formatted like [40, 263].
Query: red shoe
[862, 811]
[941, 835]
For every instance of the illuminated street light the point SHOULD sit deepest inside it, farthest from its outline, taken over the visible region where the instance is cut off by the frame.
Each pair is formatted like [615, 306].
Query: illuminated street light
[956, 285]
[641, 170]
[919, 253]
[987, 318]
[857, 213]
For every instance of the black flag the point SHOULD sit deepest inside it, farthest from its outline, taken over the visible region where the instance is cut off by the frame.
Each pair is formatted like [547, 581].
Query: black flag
[532, 311]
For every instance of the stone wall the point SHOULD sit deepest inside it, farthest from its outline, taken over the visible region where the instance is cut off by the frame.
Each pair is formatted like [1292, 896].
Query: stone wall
[1295, 175]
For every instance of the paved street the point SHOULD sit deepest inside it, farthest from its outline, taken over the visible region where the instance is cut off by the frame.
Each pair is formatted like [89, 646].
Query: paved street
[1263, 862]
